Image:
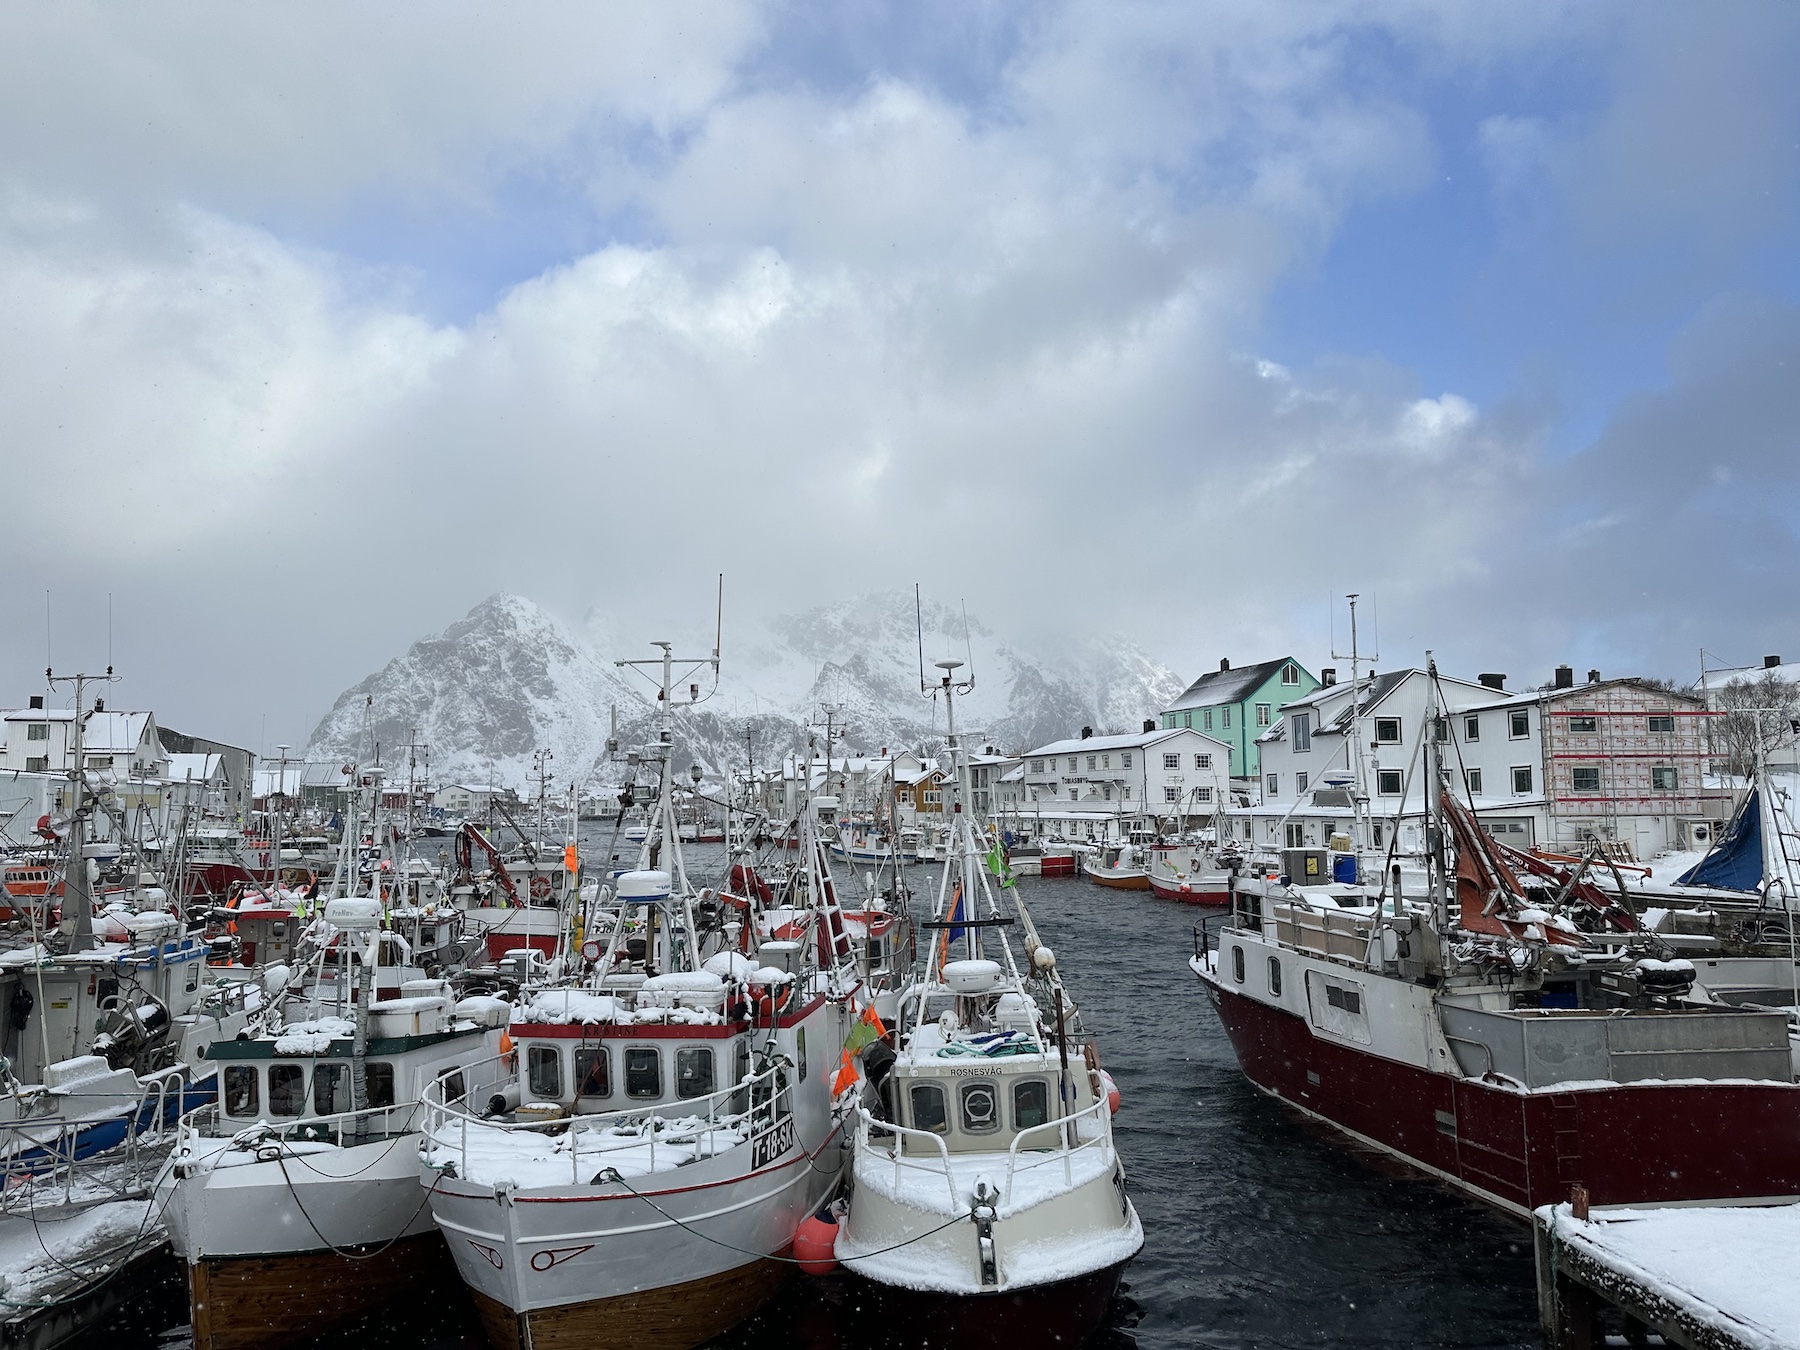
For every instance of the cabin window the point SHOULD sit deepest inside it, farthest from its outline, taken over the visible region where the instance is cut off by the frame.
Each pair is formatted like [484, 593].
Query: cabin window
[287, 1089]
[1031, 1103]
[543, 1069]
[1237, 964]
[1350, 1000]
[331, 1089]
[800, 1049]
[1663, 723]
[593, 1076]
[980, 1103]
[241, 1097]
[1387, 731]
[928, 1111]
[1275, 976]
[643, 1072]
[1388, 782]
[693, 1071]
[452, 1081]
[378, 1084]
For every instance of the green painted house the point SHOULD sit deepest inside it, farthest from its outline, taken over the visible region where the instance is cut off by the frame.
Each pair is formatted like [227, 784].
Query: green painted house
[1239, 705]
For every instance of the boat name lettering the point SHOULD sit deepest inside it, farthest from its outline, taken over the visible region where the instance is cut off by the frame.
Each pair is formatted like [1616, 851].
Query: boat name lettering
[972, 1071]
[771, 1144]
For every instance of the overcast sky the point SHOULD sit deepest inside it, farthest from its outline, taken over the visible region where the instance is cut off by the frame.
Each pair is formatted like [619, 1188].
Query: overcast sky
[319, 323]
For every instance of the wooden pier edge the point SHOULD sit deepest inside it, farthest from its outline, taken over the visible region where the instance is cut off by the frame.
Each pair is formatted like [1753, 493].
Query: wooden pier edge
[1573, 1286]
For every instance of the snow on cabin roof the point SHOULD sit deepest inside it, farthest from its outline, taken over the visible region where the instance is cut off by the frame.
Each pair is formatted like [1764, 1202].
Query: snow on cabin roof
[1229, 686]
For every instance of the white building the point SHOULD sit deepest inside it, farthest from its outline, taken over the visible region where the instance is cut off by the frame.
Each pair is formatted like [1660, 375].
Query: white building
[466, 801]
[1104, 786]
[42, 740]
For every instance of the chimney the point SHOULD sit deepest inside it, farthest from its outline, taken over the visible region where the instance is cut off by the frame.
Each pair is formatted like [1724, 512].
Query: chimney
[1565, 677]
[1328, 676]
[1224, 663]
[1086, 732]
[1492, 681]
[37, 701]
[1593, 677]
[1149, 724]
[1771, 662]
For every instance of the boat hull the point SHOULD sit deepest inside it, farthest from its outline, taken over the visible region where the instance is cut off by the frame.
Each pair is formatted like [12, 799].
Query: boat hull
[1120, 881]
[1197, 891]
[1639, 1143]
[247, 1303]
[1063, 1313]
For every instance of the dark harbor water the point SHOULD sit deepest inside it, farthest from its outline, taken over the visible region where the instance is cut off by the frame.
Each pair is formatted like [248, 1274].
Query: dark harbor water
[1260, 1230]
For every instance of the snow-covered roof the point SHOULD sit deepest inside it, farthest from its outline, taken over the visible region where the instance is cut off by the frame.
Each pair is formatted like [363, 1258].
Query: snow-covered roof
[1136, 741]
[194, 768]
[1228, 685]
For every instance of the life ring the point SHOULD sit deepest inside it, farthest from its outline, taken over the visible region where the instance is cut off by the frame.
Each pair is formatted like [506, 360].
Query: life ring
[540, 888]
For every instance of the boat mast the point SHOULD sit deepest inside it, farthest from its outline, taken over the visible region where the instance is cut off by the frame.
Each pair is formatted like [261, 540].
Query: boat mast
[75, 877]
[1434, 802]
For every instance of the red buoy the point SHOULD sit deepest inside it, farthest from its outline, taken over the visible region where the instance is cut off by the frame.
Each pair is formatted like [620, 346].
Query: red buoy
[815, 1246]
[1112, 1092]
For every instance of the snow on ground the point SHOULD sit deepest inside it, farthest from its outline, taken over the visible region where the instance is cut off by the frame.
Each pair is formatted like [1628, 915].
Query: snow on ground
[1727, 1265]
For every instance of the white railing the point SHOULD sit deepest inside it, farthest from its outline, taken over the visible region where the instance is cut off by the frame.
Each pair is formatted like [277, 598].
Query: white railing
[750, 1107]
[345, 1128]
[1065, 1130]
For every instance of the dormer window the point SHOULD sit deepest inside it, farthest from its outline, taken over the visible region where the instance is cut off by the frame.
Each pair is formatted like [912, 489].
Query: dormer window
[1290, 673]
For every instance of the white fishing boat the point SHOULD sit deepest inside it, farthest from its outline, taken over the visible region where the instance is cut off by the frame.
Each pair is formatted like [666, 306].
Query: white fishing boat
[987, 1199]
[633, 1172]
[293, 1201]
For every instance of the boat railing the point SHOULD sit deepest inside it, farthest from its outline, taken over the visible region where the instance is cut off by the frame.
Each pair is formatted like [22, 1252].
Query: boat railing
[1334, 934]
[369, 1125]
[750, 1108]
[1066, 1131]
[82, 1153]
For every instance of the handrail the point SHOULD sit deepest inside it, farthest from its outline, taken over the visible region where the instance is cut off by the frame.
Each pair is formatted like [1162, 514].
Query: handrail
[865, 1121]
[1064, 1149]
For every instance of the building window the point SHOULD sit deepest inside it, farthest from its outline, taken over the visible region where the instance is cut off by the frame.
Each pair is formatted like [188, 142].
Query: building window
[1203, 796]
[1295, 835]
[1290, 674]
[1387, 731]
[1125, 792]
[1091, 763]
[1300, 781]
[1471, 728]
[1474, 779]
[1585, 725]
[37, 764]
[1106, 761]
[1171, 761]
[37, 731]
[1074, 794]
[1302, 724]
[1518, 725]
[1037, 766]
[1203, 761]
[1388, 782]
[1225, 718]
[1522, 781]
[1207, 718]
[1585, 779]
[934, 797]
[1274, 785]
[1125, 760]
[1106, 792]
[1265, 715]
[1663, 779]
[1074, 764]
[1171, 794]
[1663, 723]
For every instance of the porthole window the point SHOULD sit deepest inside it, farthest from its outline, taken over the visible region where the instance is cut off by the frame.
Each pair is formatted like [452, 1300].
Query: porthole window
[1237, 964]
[1275, 976]
[980, 1103]
[928, 1113]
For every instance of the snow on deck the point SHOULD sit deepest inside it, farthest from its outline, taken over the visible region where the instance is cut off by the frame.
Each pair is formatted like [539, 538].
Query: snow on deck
[1727, 1268]
[491, 1154]
[54, 1257]
[1037, 1174]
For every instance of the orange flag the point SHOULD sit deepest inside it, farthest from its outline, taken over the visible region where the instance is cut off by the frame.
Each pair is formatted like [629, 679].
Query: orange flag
[569, 860]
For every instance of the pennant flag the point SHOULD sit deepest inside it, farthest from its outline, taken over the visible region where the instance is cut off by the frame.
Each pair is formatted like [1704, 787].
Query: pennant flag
[846, 1076]
[569, 859]
[996, 861]
[865, 1033]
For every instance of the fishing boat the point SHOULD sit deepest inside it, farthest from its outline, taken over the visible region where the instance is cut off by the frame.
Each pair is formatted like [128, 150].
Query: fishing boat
[1119, 867]
[1189, 874]
[633, 1173]
[293, 1201]
[988, 1200]
[1495, 1041]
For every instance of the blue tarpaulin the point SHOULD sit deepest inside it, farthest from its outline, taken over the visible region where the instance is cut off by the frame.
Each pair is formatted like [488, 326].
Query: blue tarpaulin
[1736, 864]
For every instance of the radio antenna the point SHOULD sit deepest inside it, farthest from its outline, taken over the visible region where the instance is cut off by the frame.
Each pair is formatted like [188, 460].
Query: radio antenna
[919, 624]
[968, 649]
[719, 625]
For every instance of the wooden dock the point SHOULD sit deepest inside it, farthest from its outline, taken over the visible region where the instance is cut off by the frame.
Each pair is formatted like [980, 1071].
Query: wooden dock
[1724, 1277]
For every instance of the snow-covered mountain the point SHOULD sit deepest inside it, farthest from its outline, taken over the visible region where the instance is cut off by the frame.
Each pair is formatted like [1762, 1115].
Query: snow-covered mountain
[510, 679]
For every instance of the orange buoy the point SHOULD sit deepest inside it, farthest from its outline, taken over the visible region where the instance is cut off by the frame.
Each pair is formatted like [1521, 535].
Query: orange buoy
[1112, 1092]
[815, 1245]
